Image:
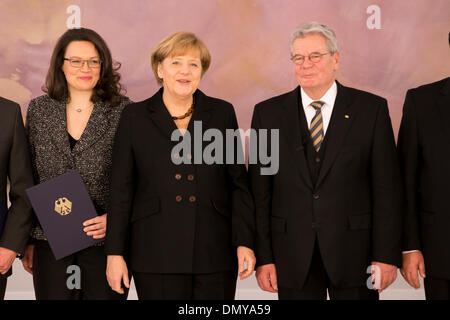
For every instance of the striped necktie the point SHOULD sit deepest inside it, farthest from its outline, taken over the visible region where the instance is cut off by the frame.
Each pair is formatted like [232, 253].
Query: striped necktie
[316, 127]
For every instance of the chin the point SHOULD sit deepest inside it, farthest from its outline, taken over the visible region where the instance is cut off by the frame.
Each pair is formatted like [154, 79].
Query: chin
[185, 93]
[307, 85]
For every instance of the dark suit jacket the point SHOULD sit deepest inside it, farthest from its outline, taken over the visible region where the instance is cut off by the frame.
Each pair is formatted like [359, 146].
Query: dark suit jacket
[355, 204]
[214, 213]
[424, 147]
[15, 165]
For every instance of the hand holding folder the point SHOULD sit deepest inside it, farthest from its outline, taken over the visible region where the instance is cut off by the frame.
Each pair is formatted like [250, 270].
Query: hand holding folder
[96, 227]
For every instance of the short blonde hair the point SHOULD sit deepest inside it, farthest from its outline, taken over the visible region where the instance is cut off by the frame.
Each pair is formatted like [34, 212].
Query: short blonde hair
[178, 44]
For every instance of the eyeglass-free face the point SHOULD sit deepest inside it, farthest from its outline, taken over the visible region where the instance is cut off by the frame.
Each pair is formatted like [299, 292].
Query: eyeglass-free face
[181, 74]
[83, 78]
[314, 77]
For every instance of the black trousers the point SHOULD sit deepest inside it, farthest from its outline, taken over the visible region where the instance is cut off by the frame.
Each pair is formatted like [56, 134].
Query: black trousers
[317, 282]
[56, 280]
[3, 280]
[437, 289]
[212, 286]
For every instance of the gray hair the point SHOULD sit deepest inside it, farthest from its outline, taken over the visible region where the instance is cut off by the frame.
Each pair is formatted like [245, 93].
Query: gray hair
[306, 29]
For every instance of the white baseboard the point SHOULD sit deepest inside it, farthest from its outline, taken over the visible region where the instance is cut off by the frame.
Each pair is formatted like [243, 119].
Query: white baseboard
[253, 294]
[29, 295]
[20, 287]
[390, 294]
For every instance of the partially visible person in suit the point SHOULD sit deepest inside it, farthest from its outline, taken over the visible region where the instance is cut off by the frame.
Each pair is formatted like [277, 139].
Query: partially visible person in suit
[73, 127]
[14, 165]
[423, 147]
[188, 221]
[333, 209]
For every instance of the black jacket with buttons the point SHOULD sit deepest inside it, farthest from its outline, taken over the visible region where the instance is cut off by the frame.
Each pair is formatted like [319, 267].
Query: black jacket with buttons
[353, 206]
[179, 218]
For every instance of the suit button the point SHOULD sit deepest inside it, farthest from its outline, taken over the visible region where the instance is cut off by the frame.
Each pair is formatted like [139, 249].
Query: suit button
[178, 198]
[192, 198]
[178, 176]
[190, 177]
[316, 196]
[317, 159]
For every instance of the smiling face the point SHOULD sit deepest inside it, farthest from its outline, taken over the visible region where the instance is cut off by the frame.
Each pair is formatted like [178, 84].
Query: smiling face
[84, 78]
[181, 74]
[315, 78]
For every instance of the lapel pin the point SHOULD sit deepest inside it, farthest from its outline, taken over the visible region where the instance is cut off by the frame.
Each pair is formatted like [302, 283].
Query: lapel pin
[347, 116]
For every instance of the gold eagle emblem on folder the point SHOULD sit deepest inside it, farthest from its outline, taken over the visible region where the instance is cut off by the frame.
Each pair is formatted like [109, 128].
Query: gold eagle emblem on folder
[63, 206]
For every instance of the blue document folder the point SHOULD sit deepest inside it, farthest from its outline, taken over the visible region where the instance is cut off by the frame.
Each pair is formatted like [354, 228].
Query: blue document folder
[62, 204]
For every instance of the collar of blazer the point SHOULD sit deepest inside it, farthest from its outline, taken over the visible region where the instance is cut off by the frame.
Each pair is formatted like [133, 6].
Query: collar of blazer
[163, 120]
[336, 132]
[96, 127]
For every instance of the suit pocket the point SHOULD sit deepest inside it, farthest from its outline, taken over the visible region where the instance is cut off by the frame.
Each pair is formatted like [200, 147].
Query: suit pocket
[427, 218]
[360, 221]
[145, 208]
[221, 207]
[278, 224]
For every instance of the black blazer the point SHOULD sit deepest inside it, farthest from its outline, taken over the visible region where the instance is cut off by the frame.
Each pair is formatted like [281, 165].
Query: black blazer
[14, 164]
[180, 218]
[424, 147]
[355, 204]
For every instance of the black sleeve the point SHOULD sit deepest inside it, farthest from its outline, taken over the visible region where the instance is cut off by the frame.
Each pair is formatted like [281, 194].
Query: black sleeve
[261, 186]
[408, 148]
[243, 211]
[122, 187]
[19, 219]
[386, 191]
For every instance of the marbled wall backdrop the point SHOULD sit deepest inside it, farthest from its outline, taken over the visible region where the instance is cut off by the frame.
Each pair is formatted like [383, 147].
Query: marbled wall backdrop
[248, 40]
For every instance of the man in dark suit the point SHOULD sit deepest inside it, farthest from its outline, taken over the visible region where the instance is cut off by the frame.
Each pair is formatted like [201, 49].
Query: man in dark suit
[423, 145]
[14, 165]
[333, 209]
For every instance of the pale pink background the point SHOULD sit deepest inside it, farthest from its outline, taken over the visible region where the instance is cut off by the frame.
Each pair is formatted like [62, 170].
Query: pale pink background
[248, 40]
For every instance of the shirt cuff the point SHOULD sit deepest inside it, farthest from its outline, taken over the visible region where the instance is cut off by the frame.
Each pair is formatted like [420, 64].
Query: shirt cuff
[409, 251]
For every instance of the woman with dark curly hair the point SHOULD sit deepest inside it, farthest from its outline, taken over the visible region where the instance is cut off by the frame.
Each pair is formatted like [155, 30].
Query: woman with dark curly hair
[73, 127]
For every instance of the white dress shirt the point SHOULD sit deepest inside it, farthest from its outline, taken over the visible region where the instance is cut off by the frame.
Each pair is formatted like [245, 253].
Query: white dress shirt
[328, 98]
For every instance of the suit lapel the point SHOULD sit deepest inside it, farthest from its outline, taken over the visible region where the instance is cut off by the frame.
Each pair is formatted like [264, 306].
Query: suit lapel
[202, 112]
[444, 107]
[163, 120]
[96, 127]
[293, 133]
[160, 116]
[58, 131]
[341, 119]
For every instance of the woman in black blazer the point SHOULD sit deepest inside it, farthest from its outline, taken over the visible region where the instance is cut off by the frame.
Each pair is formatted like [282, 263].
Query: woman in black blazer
[187, 227]
[73, 127]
